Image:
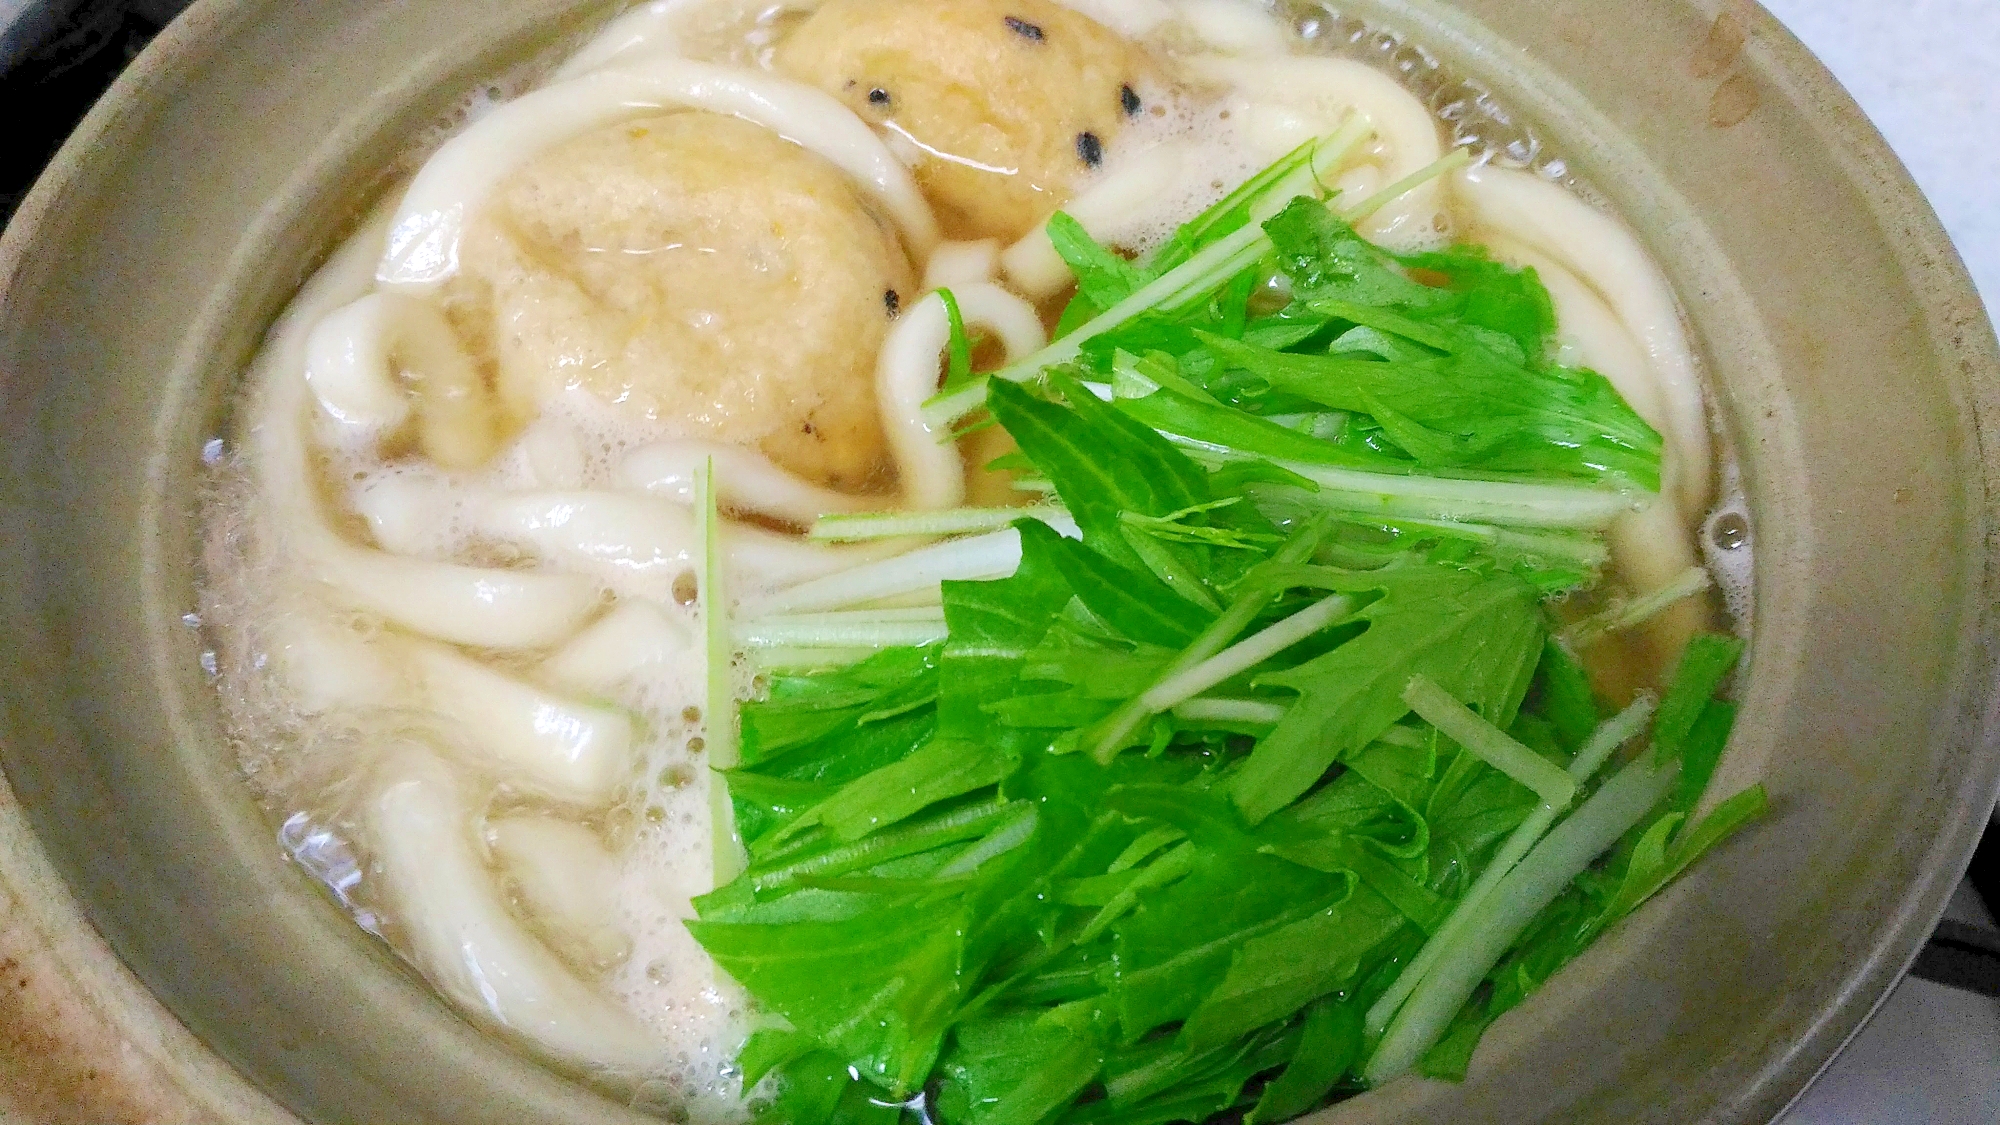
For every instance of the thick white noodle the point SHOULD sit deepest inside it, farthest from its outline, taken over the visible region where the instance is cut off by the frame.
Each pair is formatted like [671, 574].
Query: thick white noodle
[1134, 19]
[548, 454]
[1233, 27]
[642, 32]
[636, 544]
[324, 664]
[463, 938]
[491, 608]
[1032, 263]
[422, 248]
[962, 263]
[1653, 550]
[634, 636]
[348, 358]
[906, 375]
[1292, 99]
[1604, 255]
[347, 367]
[1650, 547]
[405, 510]
[745, 481]
[530, 737]
[1590, 335]
[759, 558]
[1353, 185]
[633, 543]
[993, 555]
[567, 880]
[484, 607]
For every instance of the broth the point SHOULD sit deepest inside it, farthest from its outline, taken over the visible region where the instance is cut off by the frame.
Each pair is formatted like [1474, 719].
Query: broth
[450, 573]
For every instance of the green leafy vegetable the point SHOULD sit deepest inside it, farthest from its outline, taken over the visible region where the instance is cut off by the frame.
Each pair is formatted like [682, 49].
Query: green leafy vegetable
[1329, 1044]
[1102, 277]
[1704, 665]
[1263, 781]
[1102, 463]
[1477, 635]
[958, 348]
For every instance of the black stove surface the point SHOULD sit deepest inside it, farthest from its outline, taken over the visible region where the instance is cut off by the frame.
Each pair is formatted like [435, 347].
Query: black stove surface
[56, 56]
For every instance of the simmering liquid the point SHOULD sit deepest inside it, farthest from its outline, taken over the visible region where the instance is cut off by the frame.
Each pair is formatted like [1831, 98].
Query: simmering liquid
[550, 398]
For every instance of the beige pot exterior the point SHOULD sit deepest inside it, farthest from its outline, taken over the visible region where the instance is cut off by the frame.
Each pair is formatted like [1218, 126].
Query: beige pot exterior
[81, 1040]
[1856, 371]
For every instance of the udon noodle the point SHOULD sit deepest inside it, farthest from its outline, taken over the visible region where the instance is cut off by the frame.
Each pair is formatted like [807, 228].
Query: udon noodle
[452, 560]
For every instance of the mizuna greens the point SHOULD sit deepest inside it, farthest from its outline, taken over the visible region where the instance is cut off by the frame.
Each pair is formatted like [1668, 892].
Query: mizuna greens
[1252, 775]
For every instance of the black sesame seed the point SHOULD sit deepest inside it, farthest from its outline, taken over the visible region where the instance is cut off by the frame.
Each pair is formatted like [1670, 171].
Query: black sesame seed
[1024, 29]
[878, 96]
[1090, 149]
[892, 301]
[1128, 99]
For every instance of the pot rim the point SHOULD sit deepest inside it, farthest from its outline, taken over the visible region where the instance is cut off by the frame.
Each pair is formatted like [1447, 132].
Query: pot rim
[55, 923]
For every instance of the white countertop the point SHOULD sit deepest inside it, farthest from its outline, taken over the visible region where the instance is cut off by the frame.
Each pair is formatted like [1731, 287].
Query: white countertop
[1928, 73]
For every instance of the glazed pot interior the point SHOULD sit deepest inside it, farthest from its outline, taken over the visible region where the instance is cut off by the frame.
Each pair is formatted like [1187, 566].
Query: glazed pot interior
[1851, 366]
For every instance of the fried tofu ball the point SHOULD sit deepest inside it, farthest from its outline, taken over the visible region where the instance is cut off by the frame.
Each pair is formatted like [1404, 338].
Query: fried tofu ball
[1012, 101]
[697, 270]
